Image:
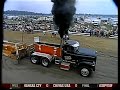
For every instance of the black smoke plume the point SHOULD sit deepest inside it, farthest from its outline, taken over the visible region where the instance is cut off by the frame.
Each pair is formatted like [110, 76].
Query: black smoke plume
[63, 11]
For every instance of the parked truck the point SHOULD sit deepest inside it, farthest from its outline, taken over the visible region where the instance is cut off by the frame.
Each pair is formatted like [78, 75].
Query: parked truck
[70, 55]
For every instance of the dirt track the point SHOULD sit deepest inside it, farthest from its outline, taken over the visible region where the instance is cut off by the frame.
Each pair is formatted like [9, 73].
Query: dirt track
[26, 72]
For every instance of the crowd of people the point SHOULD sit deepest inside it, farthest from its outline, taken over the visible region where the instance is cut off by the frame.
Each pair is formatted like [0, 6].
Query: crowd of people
[31, 26]
[100, 32]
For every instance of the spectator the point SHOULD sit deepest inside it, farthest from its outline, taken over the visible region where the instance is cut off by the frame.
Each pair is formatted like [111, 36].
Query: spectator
[90, 32]
[44, 32]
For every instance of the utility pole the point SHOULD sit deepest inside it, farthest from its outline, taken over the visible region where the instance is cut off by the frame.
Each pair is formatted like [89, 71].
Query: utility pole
[23, 30]
[22, 36]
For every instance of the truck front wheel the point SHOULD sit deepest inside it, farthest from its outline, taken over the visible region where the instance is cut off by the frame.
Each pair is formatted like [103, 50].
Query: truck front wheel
[45, 62]
[85, 71]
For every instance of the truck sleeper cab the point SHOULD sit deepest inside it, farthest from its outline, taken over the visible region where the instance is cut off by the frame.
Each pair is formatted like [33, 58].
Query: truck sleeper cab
[71, 55]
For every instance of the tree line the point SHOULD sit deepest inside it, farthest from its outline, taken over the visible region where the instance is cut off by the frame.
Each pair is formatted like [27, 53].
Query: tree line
[15, 12]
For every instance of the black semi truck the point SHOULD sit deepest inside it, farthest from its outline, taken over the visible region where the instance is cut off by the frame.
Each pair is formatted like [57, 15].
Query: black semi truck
[69, 56]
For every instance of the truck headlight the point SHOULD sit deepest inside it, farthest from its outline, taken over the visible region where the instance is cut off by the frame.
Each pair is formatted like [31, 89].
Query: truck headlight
[93, 64]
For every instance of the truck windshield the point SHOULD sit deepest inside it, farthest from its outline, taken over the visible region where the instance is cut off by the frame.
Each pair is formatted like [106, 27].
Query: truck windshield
[76, 49]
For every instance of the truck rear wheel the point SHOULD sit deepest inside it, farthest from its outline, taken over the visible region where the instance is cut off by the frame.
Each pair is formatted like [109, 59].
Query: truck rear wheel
[45, 62]
[85, 71]
[34, 59]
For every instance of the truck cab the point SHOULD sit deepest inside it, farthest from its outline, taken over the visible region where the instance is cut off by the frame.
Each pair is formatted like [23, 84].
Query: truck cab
[83, 59]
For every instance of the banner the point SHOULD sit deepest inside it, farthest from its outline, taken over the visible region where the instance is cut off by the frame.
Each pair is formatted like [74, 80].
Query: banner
[16, 86]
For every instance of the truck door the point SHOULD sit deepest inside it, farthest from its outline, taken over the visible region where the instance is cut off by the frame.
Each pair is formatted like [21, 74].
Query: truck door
[68, 53]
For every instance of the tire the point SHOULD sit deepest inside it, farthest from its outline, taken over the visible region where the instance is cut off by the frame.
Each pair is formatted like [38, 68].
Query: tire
[45, 62]
[34, 59]
[85, 71]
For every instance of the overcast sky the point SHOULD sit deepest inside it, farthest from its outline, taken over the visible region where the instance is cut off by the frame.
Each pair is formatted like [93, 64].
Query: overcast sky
[82, 6]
